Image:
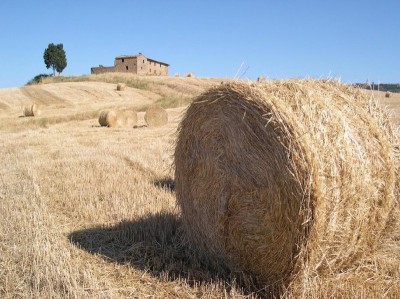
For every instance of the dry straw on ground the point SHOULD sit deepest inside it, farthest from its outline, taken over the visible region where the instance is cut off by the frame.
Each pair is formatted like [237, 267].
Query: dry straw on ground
[31, 110]
[122, 118]
[290, 180]
[156, 116]
[120, 86]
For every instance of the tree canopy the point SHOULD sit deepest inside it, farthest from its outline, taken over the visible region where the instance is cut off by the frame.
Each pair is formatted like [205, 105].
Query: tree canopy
[55, 57]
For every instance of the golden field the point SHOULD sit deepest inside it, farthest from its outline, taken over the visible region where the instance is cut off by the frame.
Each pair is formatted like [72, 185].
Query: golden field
[90, 212]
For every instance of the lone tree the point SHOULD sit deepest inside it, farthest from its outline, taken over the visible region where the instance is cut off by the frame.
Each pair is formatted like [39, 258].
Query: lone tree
[54, 57]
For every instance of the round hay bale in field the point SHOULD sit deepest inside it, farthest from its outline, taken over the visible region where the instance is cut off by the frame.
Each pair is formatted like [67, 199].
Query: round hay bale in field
[112, 118]
[103, 118]
[31, 110]
[388, 94]
[287, 180]
[122, 118]
[121, 86]
[189, 75]
[176, 75]
[156, 116]
[261, 79]
[131, 118]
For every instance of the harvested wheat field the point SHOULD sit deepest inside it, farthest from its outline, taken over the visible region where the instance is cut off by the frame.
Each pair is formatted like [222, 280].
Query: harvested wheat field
[92, 212]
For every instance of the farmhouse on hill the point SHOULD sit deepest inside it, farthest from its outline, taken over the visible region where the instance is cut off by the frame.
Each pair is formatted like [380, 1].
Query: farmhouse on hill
[134, 64]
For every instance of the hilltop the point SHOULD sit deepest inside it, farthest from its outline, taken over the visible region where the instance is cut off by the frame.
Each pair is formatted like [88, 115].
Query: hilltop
[67, 98]
[82, 97]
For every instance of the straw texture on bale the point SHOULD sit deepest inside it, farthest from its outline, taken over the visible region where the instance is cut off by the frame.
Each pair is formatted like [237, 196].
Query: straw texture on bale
[286, 179]
[118, 118]
[108, 118]
[156, 116]
[31, 110]
[120, 86]
[131, 118]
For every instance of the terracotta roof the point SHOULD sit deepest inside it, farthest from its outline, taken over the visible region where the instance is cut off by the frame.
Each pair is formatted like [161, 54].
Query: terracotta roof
[158, 61]
[126, 56]
[137, 55]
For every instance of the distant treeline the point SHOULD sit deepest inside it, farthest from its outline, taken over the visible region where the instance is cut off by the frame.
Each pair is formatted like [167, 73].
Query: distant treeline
[381, 86]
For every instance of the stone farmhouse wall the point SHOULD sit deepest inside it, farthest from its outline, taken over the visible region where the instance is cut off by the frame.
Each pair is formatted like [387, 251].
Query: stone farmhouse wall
[101, 69]
[136, 64]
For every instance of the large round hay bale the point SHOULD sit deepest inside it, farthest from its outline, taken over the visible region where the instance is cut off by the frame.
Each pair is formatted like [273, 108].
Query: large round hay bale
[120, 86]
[156, 116]
[31, 110]
[388, 94]
[287, 180]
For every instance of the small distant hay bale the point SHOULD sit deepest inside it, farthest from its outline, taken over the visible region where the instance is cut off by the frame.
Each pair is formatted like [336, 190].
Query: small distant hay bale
[121, 86]
[268, 178]
[131, 118]
[388, 94]
[261, 79]
[176, 75]
[156, 116]
[103, 118]
[31, 110]
[118, 118]
[189, 75]
[111, 118]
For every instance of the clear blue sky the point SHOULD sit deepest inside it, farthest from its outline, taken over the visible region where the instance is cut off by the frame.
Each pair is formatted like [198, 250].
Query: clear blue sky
[351, 40]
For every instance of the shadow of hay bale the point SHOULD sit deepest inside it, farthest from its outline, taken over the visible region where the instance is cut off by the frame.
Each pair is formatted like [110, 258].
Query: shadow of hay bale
[155, 244]
[166, 183]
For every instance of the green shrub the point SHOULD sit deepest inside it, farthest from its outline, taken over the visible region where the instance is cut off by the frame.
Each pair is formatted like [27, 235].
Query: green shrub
[37, 79]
